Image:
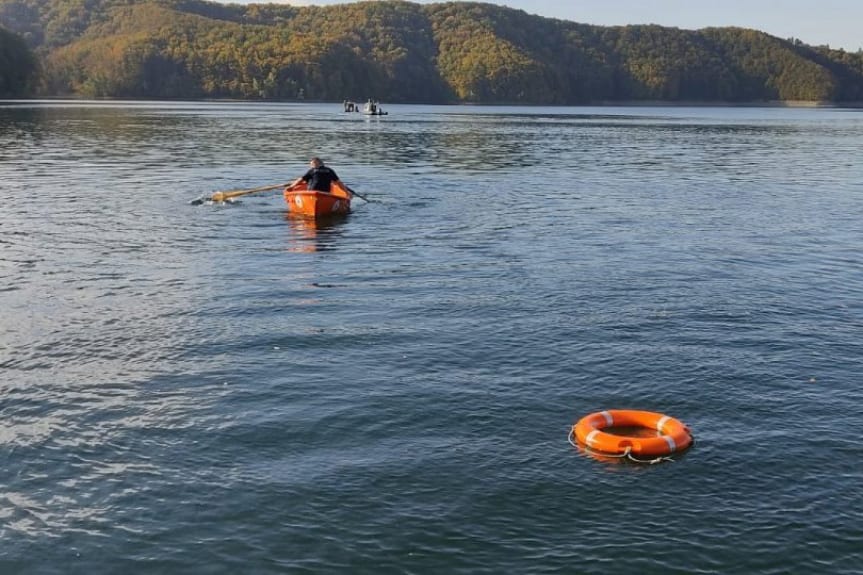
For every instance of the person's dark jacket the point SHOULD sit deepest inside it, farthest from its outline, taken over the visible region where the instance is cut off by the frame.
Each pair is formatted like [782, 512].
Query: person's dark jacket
[320, 178]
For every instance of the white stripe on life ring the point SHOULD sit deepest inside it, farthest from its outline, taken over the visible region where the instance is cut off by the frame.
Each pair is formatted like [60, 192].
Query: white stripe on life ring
[591, 436]
[670, 441]
[609, 421]
[661, 422]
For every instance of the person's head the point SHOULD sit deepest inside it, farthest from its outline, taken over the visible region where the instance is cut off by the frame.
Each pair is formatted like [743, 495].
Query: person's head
[316, 162]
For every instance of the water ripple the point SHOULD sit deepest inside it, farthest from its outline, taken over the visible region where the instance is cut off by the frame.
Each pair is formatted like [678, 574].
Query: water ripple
[224, 388]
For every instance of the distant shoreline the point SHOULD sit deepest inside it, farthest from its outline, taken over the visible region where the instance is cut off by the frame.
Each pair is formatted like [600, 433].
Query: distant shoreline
[608, 104]
[765, 104]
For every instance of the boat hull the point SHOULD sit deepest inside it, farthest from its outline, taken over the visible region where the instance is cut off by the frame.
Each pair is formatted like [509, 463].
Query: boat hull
[315, 204]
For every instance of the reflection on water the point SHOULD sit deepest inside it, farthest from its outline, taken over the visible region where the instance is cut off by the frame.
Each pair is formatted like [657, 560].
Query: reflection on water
[314, 234]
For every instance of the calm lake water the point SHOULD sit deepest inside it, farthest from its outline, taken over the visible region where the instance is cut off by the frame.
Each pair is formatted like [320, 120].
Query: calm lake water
[224, 389]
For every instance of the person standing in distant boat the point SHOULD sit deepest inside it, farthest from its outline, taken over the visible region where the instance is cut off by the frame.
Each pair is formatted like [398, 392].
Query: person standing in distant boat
[319, 177]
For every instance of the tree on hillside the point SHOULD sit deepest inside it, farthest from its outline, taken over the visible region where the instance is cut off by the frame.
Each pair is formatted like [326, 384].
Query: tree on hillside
[18, 67]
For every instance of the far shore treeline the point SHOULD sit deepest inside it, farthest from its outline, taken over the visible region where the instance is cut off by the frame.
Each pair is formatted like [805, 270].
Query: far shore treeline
[397, 51]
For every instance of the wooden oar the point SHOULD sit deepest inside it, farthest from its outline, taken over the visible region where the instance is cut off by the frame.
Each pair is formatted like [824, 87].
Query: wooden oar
[222, 196]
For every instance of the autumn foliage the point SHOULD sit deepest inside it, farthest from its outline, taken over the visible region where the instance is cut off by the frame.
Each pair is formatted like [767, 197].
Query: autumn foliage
[398, 52]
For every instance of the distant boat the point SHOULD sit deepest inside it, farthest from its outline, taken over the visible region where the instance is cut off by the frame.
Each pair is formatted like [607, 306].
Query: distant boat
[373, 109]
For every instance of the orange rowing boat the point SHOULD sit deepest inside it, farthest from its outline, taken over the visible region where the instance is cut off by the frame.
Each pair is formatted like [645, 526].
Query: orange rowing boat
[315, 204]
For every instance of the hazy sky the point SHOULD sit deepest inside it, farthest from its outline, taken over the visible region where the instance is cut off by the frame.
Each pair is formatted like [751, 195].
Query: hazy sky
[838, 23]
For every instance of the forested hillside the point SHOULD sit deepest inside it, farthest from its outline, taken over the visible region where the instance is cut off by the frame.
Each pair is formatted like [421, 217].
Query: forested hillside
[399, 51]
[17, 66]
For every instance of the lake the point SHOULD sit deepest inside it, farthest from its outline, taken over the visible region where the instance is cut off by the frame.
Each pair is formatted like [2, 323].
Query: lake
[226, 389]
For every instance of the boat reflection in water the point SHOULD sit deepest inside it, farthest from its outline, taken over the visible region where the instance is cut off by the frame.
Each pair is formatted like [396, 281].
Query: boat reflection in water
[307, 234]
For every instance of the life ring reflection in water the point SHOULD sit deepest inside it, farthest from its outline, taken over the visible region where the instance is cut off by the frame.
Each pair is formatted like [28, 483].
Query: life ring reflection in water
[603, 432]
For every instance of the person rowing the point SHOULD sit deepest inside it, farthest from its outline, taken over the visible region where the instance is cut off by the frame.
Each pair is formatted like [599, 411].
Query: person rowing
[319, 177]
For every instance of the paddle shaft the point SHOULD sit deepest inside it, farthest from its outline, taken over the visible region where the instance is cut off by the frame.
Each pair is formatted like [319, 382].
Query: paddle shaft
[222, 196]
[356, 194]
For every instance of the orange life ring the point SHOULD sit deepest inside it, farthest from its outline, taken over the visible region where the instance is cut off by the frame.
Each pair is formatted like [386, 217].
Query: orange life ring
[673, 436]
